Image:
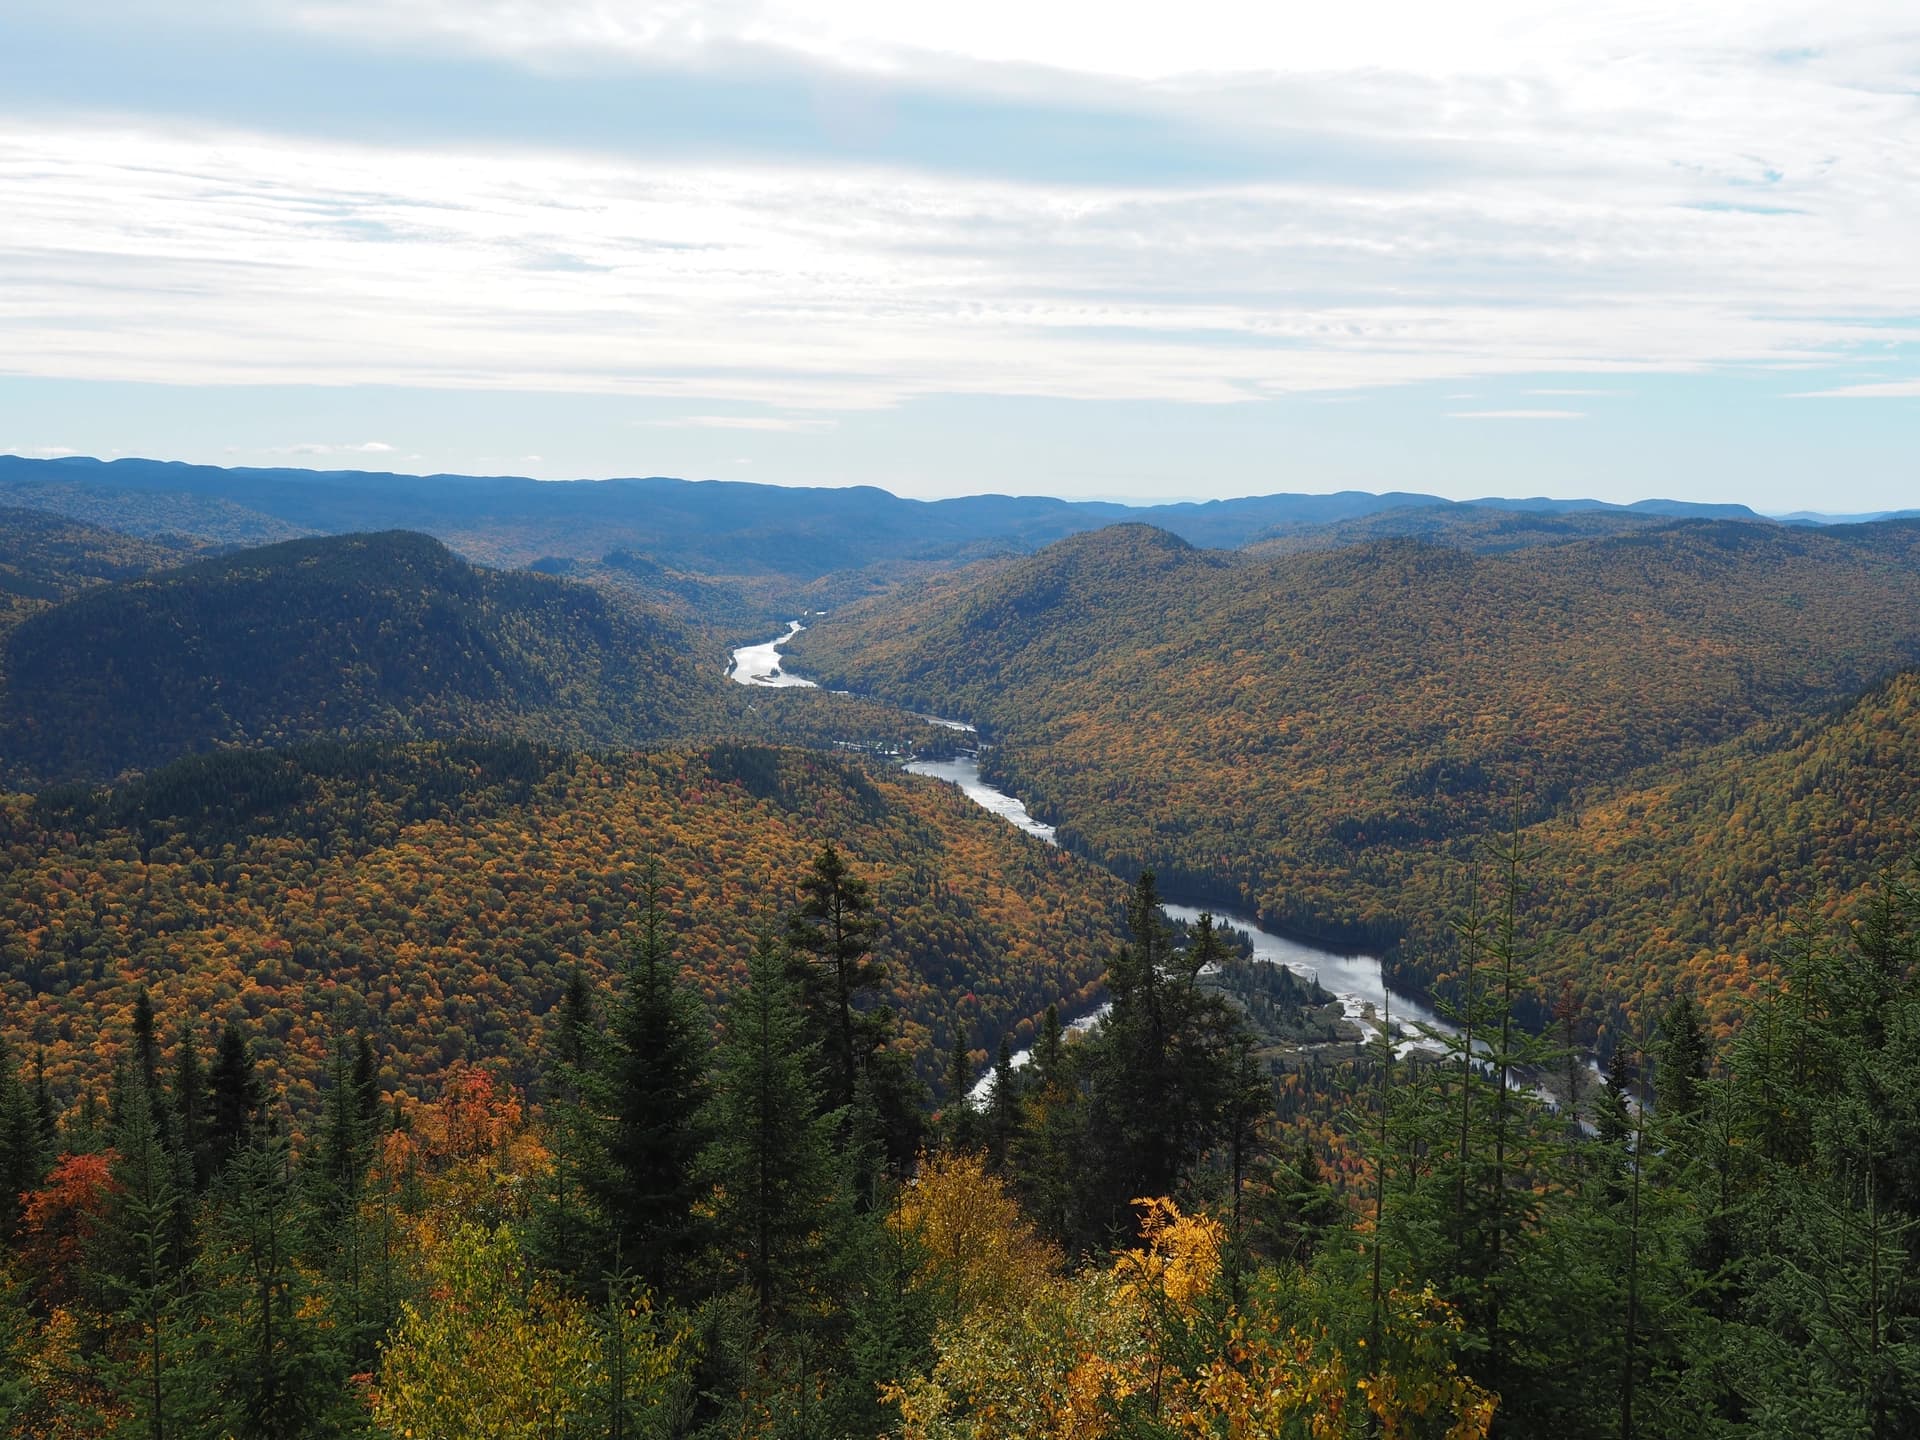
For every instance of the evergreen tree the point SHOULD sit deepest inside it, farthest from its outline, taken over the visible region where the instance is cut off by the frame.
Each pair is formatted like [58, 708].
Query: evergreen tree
[24, 1153]
[345, 1150]
[275, 1368]
[236, 1096]
[141, 1270]
[771, 1159]
[1681, 1063]
[829, 934]
[44, 1113]
[1003, 1107]
[569, 1231]
[959, 1120]
[190, 1109]
[652, 1091]
[146, 1044]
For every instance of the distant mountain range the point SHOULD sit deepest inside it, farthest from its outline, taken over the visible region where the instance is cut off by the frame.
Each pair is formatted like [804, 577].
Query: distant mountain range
[725, 528]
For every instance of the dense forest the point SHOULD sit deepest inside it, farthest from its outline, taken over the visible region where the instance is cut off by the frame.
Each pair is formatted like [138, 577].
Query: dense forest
[754, 1230]
[442, 896]
[364, 636]
[1302, 734]
[435, 1003]
[44, 558]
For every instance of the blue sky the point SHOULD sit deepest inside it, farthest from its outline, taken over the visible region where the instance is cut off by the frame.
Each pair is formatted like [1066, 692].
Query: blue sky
[1616, 250]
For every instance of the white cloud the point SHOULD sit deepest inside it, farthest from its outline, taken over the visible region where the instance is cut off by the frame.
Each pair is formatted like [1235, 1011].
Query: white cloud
[1517, 415]
[1883, 390]
[1213, 37]
[1646, 188]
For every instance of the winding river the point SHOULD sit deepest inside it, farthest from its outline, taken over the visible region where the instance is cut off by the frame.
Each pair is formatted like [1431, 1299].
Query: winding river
[760, 664]
[1355, 979]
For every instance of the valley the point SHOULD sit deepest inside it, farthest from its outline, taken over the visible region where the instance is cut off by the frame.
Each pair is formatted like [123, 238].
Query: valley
[1071, 866]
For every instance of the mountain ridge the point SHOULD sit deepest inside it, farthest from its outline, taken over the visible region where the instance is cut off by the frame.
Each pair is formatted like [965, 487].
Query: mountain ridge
[721, 527]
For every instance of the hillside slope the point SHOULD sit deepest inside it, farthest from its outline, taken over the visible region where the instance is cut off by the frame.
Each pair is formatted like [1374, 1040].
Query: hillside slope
[1698, 875]
[441, 894]
[46, 557]
[1288, 731]
[353, 636]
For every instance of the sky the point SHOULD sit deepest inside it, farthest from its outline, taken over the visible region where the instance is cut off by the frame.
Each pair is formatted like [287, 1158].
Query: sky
[1615, 250]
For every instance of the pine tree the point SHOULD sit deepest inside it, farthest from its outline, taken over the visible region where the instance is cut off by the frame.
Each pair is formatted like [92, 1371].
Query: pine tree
[829, 934]
[771, 1159]
[652, 1090]
[236, 1096]
[190, 1108]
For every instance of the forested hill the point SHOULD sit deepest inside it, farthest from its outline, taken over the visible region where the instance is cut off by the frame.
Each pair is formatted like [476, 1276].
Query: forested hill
[46, 557]
[715, 528]
[352, 636]
[1700, 876]
[1288, 730]
[440, 895]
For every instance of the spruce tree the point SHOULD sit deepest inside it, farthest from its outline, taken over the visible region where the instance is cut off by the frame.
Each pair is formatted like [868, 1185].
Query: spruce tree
[235, 1098]
[190, 1108]
[139, 1265]
[275, 1367]
[1680, 1065]
[652, 1089]
[959, 1121]
[24, 1155]
[568, 1229]
[1003, 1107]
[770, 1162]
[829, 934]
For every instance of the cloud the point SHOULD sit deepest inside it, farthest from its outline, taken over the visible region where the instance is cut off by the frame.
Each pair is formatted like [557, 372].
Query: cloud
[1574, 392]
[1597, 191]
[1883, 390]
[42, 452]
[1516, 415]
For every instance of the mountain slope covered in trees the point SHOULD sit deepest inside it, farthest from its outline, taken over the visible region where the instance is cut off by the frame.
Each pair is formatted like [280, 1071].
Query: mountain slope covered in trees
[441, 895]
[355, 636]
[1704, 875]
[45, 557]
[1290, 731]
[712, 528]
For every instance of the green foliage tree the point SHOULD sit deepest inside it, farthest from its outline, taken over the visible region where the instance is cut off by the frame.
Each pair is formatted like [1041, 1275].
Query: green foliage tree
[276, 1369]
[770, 1161]
[651, 1090]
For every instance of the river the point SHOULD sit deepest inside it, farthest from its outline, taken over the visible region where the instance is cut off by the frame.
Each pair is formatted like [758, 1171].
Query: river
[1356, 980]
[760, 664]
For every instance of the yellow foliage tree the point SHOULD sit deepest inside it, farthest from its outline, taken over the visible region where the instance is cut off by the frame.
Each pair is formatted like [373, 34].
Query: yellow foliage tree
[1040, 1354]
[490, 1351]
